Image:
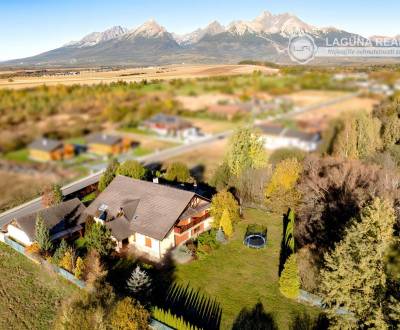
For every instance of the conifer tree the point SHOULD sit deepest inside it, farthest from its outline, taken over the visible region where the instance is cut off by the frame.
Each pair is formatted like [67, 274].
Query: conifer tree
[79, 268]
[42, 234]
[289, 282]
[226, 224]
[139, 283]
[354, 278]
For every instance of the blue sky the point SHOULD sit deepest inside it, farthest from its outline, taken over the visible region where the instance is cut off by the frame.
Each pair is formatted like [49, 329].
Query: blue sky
[29, 27]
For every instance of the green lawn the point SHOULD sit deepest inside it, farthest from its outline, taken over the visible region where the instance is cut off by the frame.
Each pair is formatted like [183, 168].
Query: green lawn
[21, 155]
[239, 277]
[30, 295]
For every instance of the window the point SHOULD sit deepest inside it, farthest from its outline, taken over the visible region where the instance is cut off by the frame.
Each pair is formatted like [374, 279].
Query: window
[147, 242]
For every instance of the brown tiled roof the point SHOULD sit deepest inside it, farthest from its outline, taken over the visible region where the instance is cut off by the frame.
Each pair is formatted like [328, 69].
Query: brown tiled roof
[156, 210]
[168, 120]
[45, 144]
[58, 218]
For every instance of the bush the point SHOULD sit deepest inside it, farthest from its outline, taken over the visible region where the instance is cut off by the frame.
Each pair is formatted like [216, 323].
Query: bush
[222, 201]
[289, 282]
[79, 268]
[132, 169]
[206, 243]
[178, 172]
[129, 314]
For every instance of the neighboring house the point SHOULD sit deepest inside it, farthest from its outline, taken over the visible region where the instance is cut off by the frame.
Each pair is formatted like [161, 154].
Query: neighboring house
[382, 89]
[150, 217]
[63, 220]
[173, 126]
[276, 137]
[44, 149]
[106, 145]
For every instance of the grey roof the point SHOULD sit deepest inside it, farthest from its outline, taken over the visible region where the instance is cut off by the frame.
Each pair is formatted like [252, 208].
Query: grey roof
[58, 218]
[168, 120]
[139, 206]
[288, 132]
[45, 144]
[102, 138]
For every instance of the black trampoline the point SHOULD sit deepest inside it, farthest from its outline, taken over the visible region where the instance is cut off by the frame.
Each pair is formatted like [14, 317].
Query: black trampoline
[256, 237]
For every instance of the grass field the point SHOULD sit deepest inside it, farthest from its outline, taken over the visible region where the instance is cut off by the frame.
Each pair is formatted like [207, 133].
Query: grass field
[30, 296]
[239, 277]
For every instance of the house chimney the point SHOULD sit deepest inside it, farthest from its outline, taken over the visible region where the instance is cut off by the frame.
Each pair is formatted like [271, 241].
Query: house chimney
[155, 180]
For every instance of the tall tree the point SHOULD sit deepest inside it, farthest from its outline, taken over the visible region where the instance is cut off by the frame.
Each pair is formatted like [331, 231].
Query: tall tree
[281, 193]
[42, 234]
[222, 201]
[52, 196]
[108, 175]
[354, 278]
[132, 169]
[246, 150]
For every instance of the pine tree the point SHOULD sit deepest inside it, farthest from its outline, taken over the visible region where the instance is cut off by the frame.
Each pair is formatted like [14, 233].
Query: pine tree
[42, 234]
[79, 268]
[57, 194]
[108, 175]
[226, 224]
[289, 282]
[60, 252]
[354, 277]
[139, 282]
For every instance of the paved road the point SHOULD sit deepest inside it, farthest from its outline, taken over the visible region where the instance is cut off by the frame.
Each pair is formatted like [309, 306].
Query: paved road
[35, 205]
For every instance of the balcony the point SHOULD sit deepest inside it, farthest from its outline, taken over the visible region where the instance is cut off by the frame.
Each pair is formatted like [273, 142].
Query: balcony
[193, 222]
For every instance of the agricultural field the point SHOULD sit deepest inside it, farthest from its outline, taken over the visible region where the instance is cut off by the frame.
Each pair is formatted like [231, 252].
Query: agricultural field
[91, 77]
[30, 294]
[239, 277]
[17, 188]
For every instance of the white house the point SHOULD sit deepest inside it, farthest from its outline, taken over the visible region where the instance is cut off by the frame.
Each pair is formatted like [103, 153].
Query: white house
[276, 137]
[150, 217]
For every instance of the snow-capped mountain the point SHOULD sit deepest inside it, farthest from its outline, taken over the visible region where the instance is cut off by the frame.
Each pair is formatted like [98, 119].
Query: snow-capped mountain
[190, 38]
[264, 38]
[96, 37]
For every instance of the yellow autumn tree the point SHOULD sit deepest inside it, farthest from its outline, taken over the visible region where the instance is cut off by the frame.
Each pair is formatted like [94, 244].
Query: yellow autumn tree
[281, 193]
[226, 223]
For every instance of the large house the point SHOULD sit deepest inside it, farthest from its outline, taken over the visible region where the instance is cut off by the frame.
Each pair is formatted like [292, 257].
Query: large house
[107, 145]
[44, 149]
[63, 221]
[276, 137]
[150, 217]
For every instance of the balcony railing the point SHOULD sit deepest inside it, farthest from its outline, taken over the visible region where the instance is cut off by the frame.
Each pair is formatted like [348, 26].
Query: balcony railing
[194, 221]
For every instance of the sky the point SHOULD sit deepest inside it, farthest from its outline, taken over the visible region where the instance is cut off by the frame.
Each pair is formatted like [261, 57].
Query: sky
[29, 27]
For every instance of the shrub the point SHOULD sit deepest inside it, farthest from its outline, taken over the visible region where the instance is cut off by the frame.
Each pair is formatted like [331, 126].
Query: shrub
[60, 252]
[206, 243]
[108, 175]
[33, 248]
[286, 153]
[179, 172]
[98, 237]
[68, 260]
[132, 169]
[129, 314]
[289, 282]
[172, 320]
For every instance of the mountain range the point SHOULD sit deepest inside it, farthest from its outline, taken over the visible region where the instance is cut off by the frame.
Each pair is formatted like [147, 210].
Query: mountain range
[264, 38]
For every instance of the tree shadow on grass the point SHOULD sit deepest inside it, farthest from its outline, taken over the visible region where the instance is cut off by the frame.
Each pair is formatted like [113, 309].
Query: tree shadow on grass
[254, 319]
[194, 306]
[306, 322]
[285, 251]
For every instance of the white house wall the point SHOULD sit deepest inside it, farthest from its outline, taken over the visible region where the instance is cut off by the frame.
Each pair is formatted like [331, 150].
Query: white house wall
[140, 244]
[277, 142]
[18, 235]
[167, 243]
